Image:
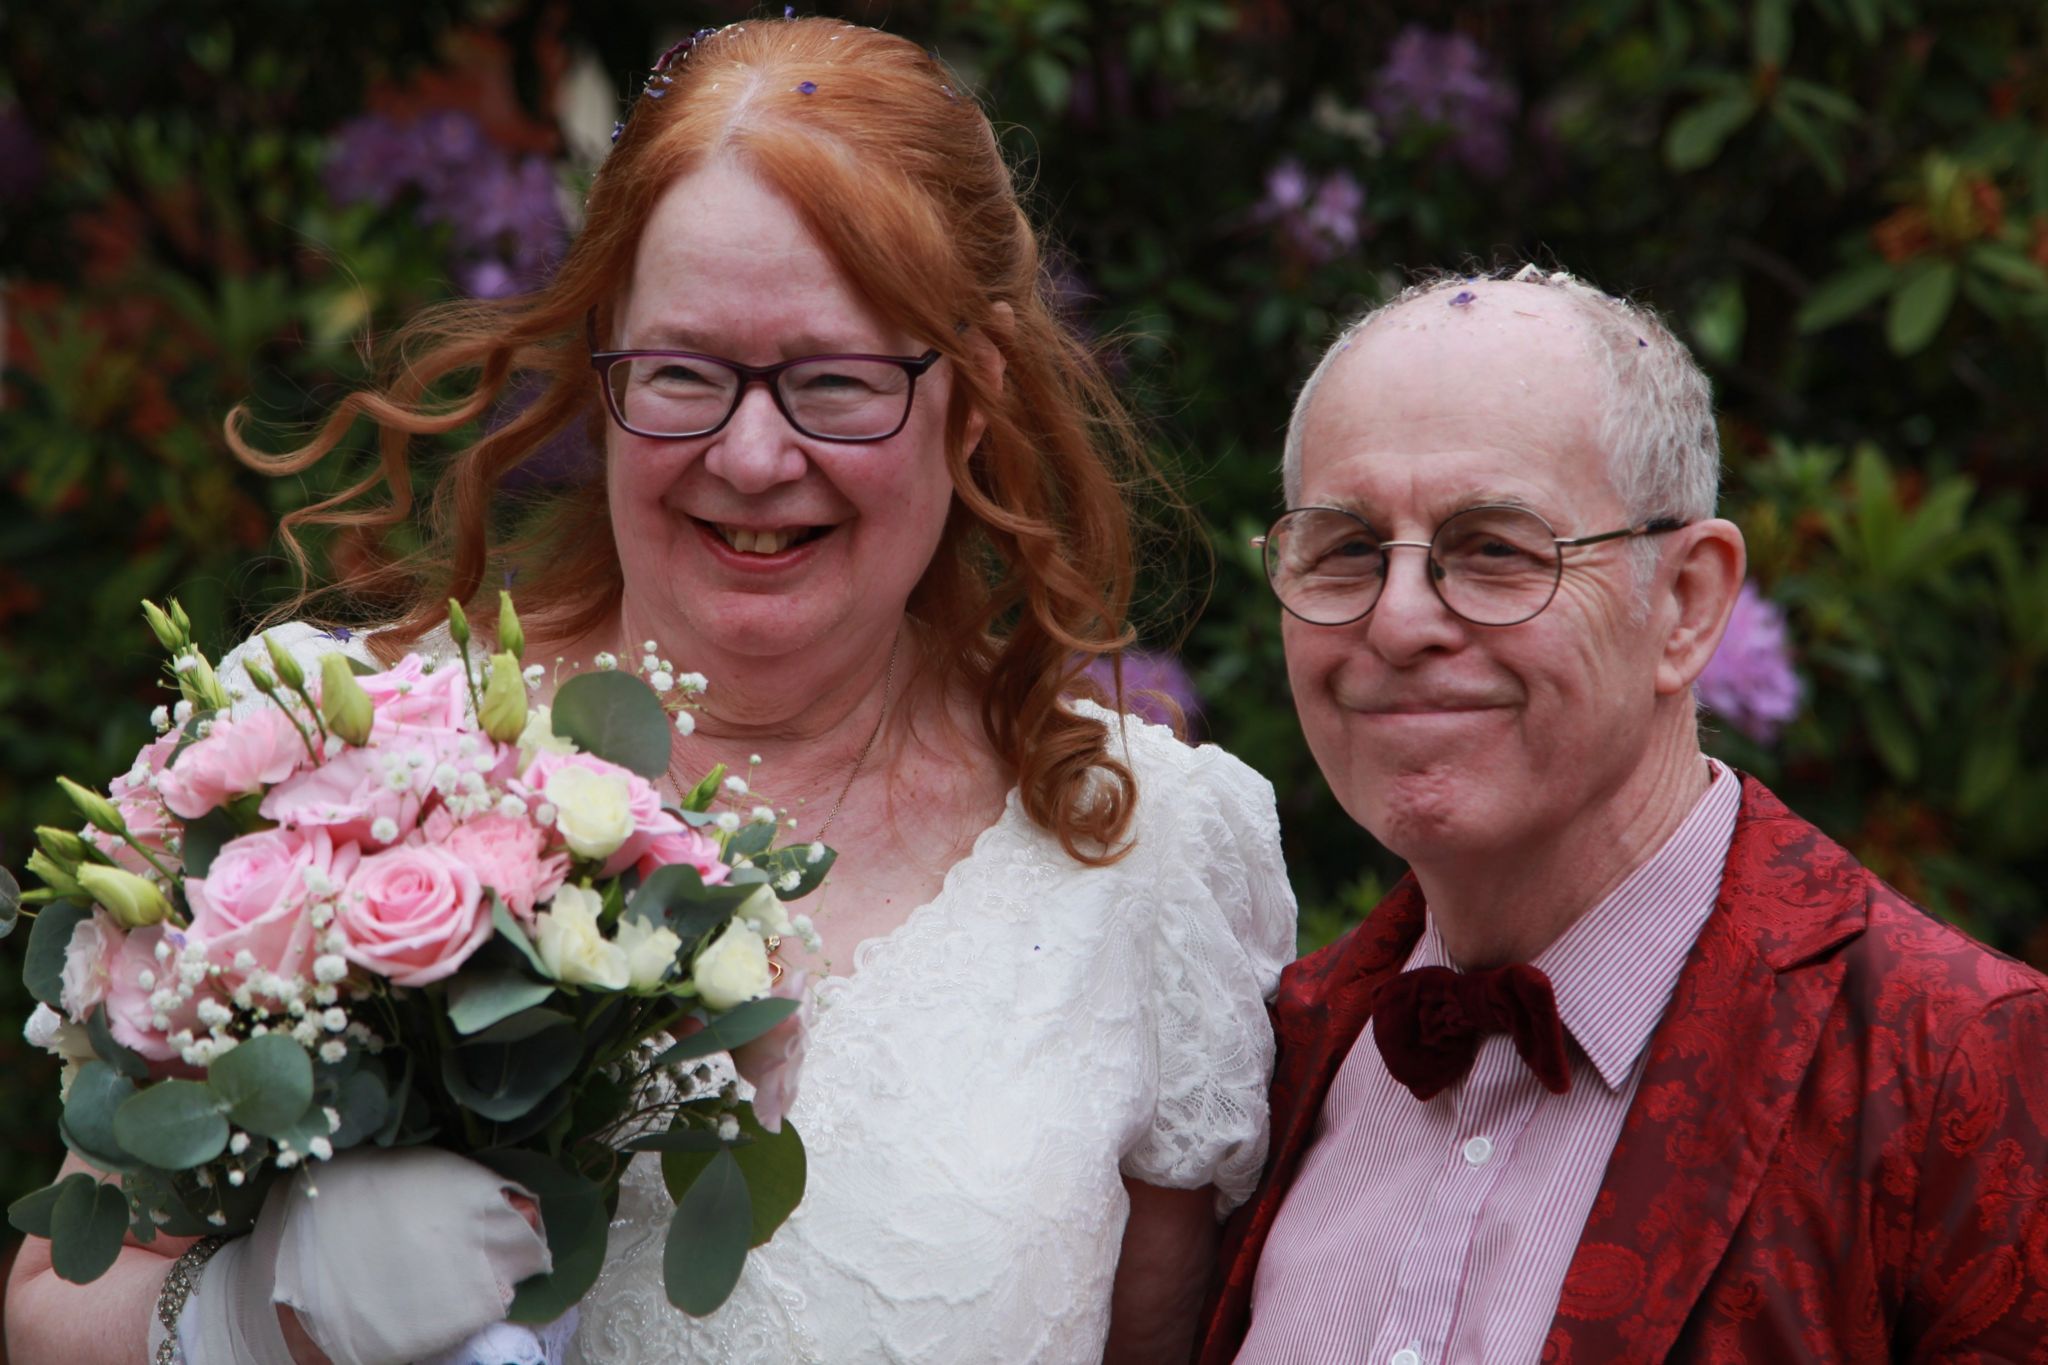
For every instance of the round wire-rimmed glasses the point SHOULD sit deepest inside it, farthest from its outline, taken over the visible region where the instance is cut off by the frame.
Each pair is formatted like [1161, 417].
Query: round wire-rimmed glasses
[1493, 565]
[677, 395]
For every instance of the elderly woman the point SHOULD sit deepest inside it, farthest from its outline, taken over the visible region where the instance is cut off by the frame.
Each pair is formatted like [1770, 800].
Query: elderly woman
[856, 474]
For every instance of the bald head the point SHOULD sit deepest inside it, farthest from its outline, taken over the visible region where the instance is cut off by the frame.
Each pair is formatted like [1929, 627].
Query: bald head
[1650, 407]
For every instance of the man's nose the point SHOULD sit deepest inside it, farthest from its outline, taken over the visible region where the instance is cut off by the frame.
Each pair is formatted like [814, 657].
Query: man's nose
[758, 448]
[1410, 618]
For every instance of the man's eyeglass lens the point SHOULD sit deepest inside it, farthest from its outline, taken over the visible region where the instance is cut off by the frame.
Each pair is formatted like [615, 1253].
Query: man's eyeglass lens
[833, 397]
[1494, 566]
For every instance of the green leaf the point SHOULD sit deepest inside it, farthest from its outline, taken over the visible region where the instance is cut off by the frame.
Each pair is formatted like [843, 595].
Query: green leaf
[572, 1217]
[87, 1226]
[1920, 307]
[477, 1000]
[740, 1024]
[1815, 141]
[264, 1085]
[1049, 79]
[783, 861]
[87, 1125]
[773, 1163]
[1841, 296]
[1696, 136]
[1770, 33]
[363, 1104]
[750, 839]
[676, 897]
[2008, 265]
[42, 968]
[10, 902]
[30, 1214]
[123, 1059]
[1891, 736]
[693, 1140]
[173, 1125]
[509, 930]
[204, 839]
[616, 717]
[708, 1238]
[504, 1080]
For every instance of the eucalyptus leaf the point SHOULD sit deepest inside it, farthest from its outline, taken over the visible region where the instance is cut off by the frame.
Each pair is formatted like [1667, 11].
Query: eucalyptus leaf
[87, 1225]
[614, 716]
[363, 1103]
[503, 1081]
[783, 861]
[172, 1125]
[264, 1085]
[42, 968]
[708, 1238]
[509, 930]
[750, 839]
[692, 1140]
[204, 839]
[30, 1214]
[97, 1093]
[674, 896]
[740, 1024]
[773, 1163]
[110, 1049]
[572, 1218]
[477, 1000]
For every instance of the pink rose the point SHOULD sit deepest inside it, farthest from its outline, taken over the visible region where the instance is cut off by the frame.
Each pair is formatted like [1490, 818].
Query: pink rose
[408, 698]
[685, 846]
[508, 856]
[412, 914]
[238, 756]
[770, 1063]
[356, 788]
[130, 1016]
[253, 898]
[89, 964]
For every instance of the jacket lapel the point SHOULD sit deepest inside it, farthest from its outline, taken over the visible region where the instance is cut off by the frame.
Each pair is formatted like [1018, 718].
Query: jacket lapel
[1724, 1068]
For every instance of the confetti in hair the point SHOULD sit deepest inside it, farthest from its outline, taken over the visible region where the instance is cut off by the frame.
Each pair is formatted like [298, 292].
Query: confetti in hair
[807, 88]
[1463, 298]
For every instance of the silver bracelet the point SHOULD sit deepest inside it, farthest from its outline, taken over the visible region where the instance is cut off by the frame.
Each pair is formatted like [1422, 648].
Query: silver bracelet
[178, 1288]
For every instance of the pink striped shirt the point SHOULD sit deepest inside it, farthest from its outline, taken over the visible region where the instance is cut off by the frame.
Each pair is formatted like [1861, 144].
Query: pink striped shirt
[1431, 1233]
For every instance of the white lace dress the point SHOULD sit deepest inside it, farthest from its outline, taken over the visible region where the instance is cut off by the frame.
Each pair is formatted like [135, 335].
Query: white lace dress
[974, 1090]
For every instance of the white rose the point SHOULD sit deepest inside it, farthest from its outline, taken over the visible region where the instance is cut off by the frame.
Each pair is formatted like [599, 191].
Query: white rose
[593, 810]
[650, 951]
[572, 947]
[733, 969]
[539, 737]
[765, 910]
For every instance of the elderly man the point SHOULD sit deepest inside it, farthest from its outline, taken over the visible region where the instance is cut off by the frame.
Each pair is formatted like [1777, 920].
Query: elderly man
[1654, 1071]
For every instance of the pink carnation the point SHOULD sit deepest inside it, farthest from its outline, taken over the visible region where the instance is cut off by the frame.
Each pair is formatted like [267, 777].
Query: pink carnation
[357, 787]
[89, 964]
[142, 810]
[254, 895]
[685, 846]
[508, 856]
[412, 914]
[129, 1014]
[408, 698]
[239, 756]
[770, 1063]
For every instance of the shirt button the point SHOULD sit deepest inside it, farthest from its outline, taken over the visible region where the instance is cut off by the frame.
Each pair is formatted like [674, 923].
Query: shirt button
[1404, 1356]
[1478, 1150]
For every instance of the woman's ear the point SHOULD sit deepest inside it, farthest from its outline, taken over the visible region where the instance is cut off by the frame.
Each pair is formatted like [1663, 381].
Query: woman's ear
[989, 365]
[1698, 599]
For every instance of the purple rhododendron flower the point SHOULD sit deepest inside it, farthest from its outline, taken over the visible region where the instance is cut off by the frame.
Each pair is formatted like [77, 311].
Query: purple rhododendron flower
[1445, 80]
[505, 218]
[1147, 677]
[1749, 682]
[1322, 219]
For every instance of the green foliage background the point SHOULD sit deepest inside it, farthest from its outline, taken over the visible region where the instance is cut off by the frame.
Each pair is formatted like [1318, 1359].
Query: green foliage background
[1841, 204]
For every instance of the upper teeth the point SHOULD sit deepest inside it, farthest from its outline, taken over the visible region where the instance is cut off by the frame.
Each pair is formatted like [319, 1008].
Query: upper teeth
[756, 542]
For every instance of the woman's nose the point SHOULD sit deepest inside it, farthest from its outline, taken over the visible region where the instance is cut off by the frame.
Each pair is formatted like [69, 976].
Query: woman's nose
[758, 448]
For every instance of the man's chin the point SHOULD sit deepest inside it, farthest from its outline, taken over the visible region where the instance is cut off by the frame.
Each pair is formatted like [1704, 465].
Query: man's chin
[1427, 816]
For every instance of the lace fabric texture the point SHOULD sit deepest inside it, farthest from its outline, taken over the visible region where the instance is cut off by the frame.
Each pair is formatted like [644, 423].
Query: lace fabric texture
[975, 1089]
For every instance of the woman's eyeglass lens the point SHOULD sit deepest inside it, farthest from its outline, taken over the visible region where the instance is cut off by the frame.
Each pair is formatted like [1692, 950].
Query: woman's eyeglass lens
[1494, 566]
[831, 398]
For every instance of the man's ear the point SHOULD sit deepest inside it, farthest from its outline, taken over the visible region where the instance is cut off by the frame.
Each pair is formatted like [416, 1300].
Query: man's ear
[989, 364]
[1705, 577]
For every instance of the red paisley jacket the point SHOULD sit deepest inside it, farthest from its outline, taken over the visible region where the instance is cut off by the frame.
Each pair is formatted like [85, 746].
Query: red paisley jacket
[1839, 1151]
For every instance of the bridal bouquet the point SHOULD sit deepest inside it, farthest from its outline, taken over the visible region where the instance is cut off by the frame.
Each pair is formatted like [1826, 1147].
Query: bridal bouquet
[405, 906]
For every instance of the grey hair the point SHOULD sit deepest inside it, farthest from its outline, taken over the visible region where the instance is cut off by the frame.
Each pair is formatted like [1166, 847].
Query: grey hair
[1663, 450]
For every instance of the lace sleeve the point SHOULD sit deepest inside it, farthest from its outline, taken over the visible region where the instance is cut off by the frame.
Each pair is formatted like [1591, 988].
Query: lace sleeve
[1224, 929]
[308, 644]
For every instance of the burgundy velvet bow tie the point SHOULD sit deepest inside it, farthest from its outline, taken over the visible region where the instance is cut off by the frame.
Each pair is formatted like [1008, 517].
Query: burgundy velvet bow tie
[1429, 1024]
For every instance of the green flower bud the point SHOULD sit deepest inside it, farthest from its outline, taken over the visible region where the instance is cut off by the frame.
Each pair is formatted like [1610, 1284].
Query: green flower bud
[166, 631]
[344, 705]
[181, 620]
[94, 807]
[56, 877]
[504, 708]
[288, 671]
[132, 900]
[260, 676]
[62, 845]
[458, 624]
[201, 685]
[511, 638]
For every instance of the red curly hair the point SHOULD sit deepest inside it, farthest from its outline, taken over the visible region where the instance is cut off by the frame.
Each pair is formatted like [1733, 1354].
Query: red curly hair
[897, 173]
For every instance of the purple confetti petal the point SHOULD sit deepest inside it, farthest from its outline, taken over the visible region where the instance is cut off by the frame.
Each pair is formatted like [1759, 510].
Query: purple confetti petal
[789, 11]
[807, 88]
[1462, 298]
